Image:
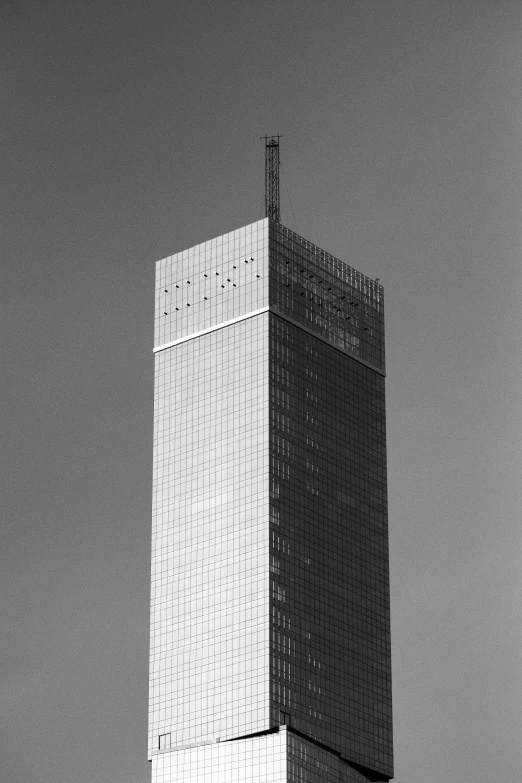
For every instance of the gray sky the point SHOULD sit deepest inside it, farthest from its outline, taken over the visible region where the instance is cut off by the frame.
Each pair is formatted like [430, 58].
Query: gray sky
[131, 131]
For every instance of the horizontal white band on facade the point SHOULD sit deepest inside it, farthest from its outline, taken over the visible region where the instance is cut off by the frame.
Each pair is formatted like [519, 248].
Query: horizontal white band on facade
[211, 329]
[225, 740]
[266, 309]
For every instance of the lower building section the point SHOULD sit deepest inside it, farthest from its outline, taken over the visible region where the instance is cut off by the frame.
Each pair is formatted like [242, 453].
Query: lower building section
[260, 759]
[278, 757]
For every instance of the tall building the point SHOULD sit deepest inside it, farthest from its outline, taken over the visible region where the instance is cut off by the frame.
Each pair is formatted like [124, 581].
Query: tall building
[270, 630]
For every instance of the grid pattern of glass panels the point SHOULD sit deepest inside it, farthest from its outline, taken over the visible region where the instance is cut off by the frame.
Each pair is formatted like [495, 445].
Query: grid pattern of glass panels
[252, 760]
[309, 763]
[324, 294]
[211, 283]
[270, 603]
[210, 563]
[331, 667]
[281, 757]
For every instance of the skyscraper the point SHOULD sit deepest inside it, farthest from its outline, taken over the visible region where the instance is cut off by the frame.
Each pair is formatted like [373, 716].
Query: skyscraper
[270, 632]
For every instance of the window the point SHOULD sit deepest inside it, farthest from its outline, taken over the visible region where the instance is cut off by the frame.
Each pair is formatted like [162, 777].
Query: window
[164, 741]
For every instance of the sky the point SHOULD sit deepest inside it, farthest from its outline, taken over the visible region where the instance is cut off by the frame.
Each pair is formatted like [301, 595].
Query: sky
[130, 131]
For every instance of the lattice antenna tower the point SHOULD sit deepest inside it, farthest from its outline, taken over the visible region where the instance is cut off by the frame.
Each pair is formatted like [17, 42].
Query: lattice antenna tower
[272, 196]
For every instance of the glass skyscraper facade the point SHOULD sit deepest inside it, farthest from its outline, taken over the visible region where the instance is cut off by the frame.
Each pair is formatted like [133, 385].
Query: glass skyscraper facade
[270, 631]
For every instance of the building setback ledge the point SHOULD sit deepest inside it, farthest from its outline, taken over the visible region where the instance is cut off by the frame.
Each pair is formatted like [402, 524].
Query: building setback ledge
[211, 329]
[253, 314]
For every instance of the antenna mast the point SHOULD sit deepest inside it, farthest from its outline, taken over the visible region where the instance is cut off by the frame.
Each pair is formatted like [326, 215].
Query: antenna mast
[272, 209]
